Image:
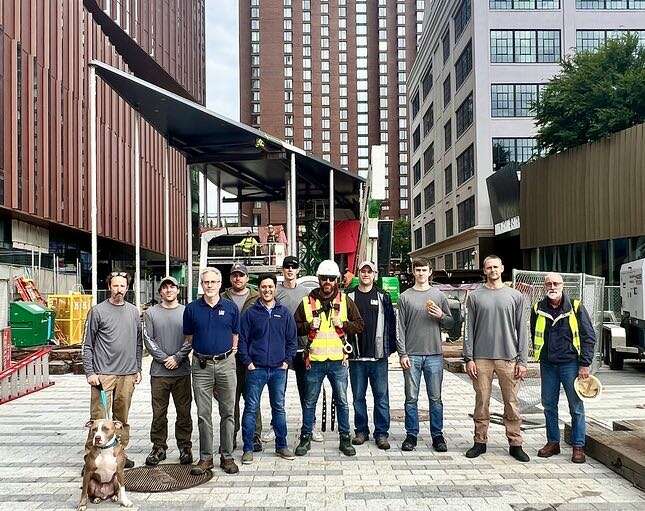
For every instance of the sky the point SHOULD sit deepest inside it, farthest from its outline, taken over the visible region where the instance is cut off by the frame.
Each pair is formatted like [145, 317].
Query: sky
[222, 75]
[222, 54]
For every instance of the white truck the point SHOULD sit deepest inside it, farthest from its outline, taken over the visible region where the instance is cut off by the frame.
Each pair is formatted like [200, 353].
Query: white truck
[626, 338]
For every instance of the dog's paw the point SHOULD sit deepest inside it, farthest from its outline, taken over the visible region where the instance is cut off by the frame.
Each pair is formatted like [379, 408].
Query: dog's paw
[81, 508]
[115, 498]
[126, 502]
[96, 500]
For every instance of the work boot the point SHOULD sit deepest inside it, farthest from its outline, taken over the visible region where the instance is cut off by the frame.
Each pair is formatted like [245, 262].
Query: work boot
[550, 449]
[257, 444]
[185, 456]
[382, 443]
[128, 463]
[476, 450]
[201, 467]
[359, 439]
[345, 445]
[409, 443]
[284, 453]
[228, 465]
[158, 454]
[304, 445]
[518, 453]
[578, 455]
[439, 444]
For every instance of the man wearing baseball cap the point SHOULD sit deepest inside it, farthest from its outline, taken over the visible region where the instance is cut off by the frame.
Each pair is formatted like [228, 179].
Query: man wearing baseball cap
[163, 335]
[368, 360]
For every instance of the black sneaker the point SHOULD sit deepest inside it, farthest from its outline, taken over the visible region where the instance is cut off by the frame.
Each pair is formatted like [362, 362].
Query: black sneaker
[518, 453]
[476, 450]
[257, 444]
[439, 444]
[359, 438]
[304, 445]
[185, 456]
[409, 443]
[158, 454]
[129, 463]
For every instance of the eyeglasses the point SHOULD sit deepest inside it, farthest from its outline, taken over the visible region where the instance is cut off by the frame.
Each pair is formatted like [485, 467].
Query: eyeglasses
[327, 278]
[211, 282]
[553, 284]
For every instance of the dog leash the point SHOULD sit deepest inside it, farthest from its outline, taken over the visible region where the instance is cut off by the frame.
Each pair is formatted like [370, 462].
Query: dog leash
[103, 400]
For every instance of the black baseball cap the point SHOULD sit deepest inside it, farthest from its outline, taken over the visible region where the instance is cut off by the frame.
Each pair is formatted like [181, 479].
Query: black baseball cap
[290, 261]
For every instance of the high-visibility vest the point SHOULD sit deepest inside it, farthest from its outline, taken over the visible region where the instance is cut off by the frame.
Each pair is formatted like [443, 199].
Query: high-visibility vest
[247, 244]
[326, 343]
[540, 327]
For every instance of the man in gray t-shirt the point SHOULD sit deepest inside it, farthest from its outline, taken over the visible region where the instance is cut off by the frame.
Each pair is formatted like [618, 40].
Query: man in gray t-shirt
[163, 334]
[496, 343]
[423, 312]
[112, 352]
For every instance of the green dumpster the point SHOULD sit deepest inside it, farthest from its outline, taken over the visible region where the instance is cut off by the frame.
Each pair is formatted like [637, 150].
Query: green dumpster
[391, 285]
[31, 324]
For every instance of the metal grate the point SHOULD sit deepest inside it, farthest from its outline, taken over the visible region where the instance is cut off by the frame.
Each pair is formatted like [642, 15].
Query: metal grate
[164, 477]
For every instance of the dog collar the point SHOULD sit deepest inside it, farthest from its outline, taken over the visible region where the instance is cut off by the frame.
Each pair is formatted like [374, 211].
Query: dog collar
[112, 443]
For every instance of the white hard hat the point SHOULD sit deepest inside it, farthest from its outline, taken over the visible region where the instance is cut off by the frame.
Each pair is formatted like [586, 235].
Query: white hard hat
[328, 267]
[589, 388]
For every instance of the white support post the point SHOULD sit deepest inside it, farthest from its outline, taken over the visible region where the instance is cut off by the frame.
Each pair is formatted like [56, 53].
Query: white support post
[331, 214]
[137, 211]
[219, 198]
[287, 188]
[189, 244]
[166, 208]
[205, 194]
[293, 233]
[92, 151]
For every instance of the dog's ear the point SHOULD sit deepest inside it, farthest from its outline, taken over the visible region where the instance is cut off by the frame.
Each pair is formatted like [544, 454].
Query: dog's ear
[89, 423]
[117, 424]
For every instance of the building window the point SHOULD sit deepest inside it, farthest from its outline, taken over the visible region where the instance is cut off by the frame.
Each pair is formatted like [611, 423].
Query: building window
[513, 150]
[524, 4]
[524, 46]
[466, 259]
[416, 138]
[428, 158]
[462, 16]
[415, 105]
[447, 135]
[418, 242]
[464, 115]
[448, 262]
[610, 4]
[417, 205]
[464, 65]
[514, 100]
[445, 42]
[416, 172]
[431, 232]
[449, 226]
[465, 165]
[428, 195]
[466, 214]
[447, 91]
[591, 40]
[447, 179]
[426, 82]
[428, 119]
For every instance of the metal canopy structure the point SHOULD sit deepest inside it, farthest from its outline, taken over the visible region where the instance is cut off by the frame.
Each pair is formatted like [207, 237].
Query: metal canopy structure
[252, 163]
[241, 160]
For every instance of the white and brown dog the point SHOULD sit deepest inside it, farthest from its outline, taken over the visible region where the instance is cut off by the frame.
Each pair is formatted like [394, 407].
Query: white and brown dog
[103, 473]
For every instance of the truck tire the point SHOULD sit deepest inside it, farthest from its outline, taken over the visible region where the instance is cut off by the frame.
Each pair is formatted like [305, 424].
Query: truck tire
[616, 360]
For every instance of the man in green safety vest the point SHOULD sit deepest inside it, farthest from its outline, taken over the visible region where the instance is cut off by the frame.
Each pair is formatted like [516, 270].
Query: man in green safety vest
[563, 343]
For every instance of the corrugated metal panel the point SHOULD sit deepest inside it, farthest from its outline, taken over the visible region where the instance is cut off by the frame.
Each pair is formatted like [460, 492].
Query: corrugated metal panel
[588, 193]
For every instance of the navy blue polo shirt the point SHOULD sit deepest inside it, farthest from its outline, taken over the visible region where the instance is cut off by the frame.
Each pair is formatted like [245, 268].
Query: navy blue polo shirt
[212, 328]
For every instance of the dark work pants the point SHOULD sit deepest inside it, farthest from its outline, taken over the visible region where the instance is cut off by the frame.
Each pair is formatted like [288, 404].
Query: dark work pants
[162, 388]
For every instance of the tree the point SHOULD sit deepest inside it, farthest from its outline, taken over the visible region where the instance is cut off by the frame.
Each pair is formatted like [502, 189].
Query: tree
[401, 240]
[595, 94]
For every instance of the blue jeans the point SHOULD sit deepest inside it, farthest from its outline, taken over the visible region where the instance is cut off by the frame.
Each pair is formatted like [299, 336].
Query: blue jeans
[360, 372]
[552, 376]
[274, 378]
[336, 373]
[432, 368]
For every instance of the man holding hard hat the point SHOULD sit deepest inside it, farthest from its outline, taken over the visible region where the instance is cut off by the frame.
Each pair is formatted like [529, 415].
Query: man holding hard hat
[563, 343]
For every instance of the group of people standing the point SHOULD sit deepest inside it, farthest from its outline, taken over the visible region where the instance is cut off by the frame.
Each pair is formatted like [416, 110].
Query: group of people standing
[243, 340]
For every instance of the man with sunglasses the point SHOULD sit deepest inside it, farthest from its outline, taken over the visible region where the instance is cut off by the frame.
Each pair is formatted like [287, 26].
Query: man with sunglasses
[326, 316]
[112, 353]
[563, 343]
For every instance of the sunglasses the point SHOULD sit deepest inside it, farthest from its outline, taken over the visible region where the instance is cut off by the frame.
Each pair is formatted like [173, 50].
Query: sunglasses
[119, 274]
[290, 267]
[327, 278]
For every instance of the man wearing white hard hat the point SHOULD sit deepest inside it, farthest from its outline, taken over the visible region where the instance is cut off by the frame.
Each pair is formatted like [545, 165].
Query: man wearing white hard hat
[327, 316]
[563, 343]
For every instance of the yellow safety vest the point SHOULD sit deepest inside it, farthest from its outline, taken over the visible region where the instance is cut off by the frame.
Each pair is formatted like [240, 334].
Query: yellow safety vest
[327, 344]
[540, 327]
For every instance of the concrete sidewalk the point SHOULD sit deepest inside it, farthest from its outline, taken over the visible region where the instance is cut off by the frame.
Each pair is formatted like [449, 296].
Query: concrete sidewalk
[42, 437]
